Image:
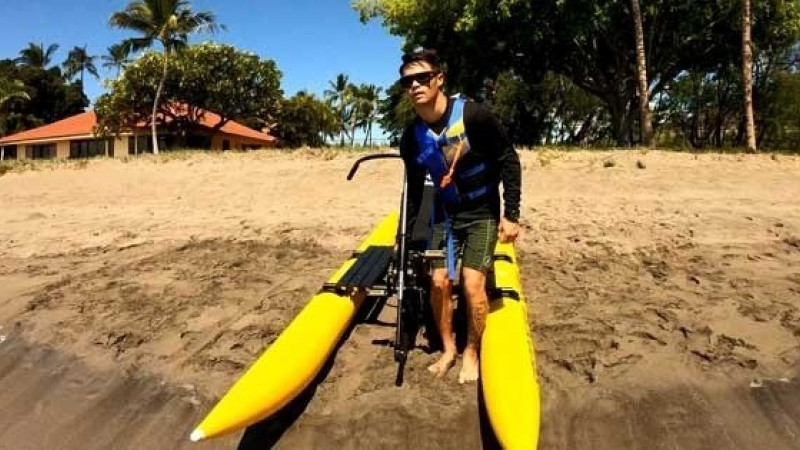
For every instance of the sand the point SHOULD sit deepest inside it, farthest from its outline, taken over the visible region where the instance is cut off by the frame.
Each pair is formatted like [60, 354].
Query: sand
[663, 289]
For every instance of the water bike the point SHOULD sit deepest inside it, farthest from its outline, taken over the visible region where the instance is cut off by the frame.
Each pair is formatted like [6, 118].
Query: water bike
[393, 262]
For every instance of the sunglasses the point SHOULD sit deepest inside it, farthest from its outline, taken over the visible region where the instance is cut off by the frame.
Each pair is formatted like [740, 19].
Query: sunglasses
[422, 78]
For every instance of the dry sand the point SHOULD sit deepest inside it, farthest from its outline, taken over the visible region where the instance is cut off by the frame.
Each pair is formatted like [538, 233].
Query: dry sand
[664, 294]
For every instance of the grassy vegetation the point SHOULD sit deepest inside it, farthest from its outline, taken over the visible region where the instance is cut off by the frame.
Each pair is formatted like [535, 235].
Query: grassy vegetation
[17, 166]
[545, 156]
[324, 153]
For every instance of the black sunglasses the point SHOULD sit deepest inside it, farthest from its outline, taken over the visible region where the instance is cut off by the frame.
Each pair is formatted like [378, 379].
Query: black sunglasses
[421, 78]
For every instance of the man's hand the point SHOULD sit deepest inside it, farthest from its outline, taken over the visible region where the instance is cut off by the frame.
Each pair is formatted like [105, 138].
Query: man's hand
[507, 231]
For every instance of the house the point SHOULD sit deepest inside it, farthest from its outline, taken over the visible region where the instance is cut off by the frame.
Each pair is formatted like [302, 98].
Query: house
[74, 137]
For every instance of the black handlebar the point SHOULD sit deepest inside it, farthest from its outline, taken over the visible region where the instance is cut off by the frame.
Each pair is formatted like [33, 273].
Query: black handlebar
[367, 158]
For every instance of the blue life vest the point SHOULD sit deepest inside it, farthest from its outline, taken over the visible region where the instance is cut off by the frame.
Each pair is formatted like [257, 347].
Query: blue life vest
[437, 153]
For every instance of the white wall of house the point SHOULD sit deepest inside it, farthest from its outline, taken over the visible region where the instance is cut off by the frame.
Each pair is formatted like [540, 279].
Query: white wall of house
[121, 146]
[62, 149]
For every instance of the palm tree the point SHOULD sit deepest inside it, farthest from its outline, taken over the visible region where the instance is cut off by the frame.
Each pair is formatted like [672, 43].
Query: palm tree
[747, 77]
[355, 113]
[339, 97]
[9, 90]
[117, 57]
[169, 22]
[645, 115]
[35, 55]
[369, 96]
[78, 61]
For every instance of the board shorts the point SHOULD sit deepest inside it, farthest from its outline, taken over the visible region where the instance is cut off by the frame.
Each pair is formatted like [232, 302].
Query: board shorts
[474, 242]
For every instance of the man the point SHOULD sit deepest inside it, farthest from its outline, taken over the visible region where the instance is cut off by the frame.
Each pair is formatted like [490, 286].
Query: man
[461, 145]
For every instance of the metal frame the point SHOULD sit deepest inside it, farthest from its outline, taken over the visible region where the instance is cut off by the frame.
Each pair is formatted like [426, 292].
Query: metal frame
[404, 279]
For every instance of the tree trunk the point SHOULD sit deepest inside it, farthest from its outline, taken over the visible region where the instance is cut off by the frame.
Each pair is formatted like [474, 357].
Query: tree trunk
[645, 115]
[582, 137]
[155, 102]
[353, 131]
[2, 153]
[694, 133]
[747, 77]
[719, 119]
[740, 132]
[620, 123]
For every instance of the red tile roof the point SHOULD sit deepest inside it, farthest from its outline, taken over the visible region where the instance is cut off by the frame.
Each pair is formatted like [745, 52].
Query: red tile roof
[83, 125]
[210, 119]
[77, 125]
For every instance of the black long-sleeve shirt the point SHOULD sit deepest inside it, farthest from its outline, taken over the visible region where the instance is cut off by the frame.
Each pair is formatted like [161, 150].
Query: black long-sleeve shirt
[488, 144]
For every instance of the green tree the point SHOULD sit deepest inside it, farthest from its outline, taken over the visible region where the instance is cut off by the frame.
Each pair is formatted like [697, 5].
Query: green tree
[234, 84]
[340, 97]
[395, 112]
[79, 61]
[305, 121]
[368, 100]
[35, 55]
[10, 89]
[596, 49]
[704, 106]
[594, 46]
[781, 122]
[169, 22]
[50, 98]
[355, 106]
[552, 111]
[698, 108]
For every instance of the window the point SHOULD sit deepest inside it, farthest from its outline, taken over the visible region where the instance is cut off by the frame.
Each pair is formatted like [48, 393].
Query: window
[9, 152]
[226, 144]
[89, 148]
[143, 143]
[41, 151]
[140, 144]
[198, 141]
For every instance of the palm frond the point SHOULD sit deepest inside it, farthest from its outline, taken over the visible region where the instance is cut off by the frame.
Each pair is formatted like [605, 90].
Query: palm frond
[117, 55]
[136, 18]
[201, 22]
[48, 54]
[92, 69]
[11, 89]
[138, 44]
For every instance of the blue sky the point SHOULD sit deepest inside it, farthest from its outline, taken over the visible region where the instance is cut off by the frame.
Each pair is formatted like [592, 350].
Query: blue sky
[311, 41]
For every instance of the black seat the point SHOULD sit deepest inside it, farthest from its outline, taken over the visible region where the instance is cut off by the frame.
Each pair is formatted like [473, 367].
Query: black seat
[370, 267]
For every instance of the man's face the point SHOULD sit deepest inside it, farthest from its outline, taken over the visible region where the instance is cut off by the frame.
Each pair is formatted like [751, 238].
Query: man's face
[421, 82]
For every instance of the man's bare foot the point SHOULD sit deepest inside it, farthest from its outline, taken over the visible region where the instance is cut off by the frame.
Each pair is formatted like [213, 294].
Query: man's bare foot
[440, 367]
[469, 367]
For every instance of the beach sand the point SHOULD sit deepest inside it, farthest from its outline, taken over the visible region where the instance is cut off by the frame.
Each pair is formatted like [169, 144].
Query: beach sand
[663, 291]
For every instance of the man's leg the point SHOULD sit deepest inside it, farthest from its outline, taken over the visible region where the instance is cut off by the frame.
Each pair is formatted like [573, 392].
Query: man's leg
[475, 291]
[481, 238]
[442, 306]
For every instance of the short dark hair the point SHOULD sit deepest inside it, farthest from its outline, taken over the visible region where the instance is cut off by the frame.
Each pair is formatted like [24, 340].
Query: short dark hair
[422, 55]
